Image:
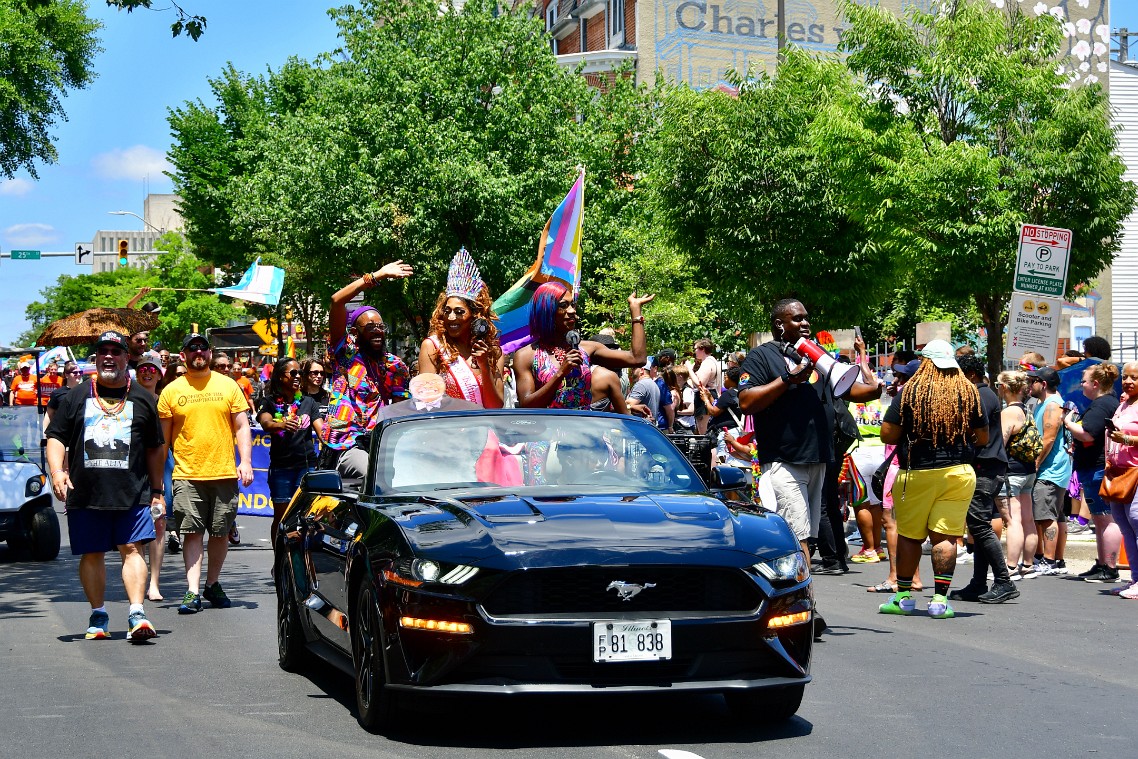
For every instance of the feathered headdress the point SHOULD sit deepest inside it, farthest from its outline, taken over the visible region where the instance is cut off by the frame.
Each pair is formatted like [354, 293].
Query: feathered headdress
[463, 278]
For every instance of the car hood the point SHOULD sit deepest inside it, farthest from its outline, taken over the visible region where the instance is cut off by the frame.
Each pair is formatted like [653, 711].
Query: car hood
[511, 532]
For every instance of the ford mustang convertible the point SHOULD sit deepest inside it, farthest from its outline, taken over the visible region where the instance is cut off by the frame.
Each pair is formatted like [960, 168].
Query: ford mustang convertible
[512, 552]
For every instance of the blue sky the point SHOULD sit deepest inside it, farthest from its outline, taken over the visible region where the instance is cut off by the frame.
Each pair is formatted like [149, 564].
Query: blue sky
[117, 136]
[114, 143]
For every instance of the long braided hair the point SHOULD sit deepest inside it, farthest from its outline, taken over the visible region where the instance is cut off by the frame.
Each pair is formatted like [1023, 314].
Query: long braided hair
[941, 402]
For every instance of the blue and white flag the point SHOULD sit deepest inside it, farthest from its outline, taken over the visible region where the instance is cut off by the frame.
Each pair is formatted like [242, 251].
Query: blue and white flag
[259, 284]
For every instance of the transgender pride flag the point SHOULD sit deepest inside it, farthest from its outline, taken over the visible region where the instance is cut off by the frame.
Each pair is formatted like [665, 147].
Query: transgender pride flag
[558, 258]
[259, 284]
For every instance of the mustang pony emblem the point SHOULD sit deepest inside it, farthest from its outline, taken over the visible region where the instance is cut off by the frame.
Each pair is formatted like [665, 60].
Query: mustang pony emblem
[628, 590]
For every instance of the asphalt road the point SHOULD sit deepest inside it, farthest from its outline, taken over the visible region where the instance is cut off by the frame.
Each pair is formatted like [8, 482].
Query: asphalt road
[1051, 674]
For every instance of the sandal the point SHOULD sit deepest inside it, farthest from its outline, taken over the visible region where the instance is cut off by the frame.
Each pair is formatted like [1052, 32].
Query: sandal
[882, 587]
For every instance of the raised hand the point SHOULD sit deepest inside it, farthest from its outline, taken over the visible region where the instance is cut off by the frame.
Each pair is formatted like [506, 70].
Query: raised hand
[394, 270]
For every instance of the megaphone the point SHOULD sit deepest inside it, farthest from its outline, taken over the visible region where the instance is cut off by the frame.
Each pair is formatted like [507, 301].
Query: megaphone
[841, 377]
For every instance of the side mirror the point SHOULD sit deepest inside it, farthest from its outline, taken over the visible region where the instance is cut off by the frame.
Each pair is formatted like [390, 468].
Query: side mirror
[728, 478]
[322, 481]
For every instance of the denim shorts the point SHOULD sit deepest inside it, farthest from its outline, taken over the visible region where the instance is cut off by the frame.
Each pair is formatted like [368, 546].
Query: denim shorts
[1091, 480]
[1018, 484]
[284, 481]
[96, 531]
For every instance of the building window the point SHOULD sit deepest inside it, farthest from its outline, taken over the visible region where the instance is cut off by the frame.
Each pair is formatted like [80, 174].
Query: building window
[550, 20]
[616, 23]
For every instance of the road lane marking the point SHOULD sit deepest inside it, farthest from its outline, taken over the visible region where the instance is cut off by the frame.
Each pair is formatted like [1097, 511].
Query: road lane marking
[675, 753]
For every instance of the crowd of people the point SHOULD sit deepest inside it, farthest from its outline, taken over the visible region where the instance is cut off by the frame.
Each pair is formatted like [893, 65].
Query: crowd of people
[156, 443]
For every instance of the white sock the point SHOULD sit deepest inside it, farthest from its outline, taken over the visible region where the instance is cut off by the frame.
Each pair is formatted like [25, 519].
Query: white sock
[102, 608]
[134, 608]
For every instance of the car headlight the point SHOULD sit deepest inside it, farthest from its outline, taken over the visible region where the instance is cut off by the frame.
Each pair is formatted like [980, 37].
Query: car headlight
[34, 486]
[792, 568]
[415, 572]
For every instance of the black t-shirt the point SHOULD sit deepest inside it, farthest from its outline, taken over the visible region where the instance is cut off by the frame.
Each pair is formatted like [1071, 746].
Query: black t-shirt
[291, 449]
[921, 453]
[1091, 455]
[321, 399]
[57, 397]
[728, 401]
[992, 455]
[798, 426]
[107, 445]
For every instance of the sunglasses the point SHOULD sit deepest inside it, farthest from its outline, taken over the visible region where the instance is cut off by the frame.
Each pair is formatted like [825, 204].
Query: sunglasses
[373, 327]
[293, 372]
[319, 373]
[198, 349]
[77, 373]
[148, 369]
[109, 351]
[221, 367]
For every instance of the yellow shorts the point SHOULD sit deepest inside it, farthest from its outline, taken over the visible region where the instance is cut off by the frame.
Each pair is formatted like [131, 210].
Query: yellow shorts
[932, 500]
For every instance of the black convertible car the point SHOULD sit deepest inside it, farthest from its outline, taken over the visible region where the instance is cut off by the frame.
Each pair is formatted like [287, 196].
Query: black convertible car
[519, 551]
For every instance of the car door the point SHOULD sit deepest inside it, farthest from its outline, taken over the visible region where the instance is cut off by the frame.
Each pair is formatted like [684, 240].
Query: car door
[330, 529]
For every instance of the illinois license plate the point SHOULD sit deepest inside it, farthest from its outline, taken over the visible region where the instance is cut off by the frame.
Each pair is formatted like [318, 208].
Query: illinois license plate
[641, 640]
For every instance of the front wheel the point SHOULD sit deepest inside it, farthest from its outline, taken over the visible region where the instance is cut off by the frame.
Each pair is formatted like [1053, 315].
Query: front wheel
[766, 705]
[375, 702]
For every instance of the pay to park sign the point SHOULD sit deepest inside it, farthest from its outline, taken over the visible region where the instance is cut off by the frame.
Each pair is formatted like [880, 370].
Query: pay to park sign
[1041, 267]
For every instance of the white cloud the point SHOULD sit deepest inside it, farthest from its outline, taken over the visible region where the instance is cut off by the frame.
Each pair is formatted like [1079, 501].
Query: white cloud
[16, 186]
[137, 162]
[30, 234]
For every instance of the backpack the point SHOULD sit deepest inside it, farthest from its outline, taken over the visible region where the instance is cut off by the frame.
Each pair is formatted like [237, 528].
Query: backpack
[1024, 446]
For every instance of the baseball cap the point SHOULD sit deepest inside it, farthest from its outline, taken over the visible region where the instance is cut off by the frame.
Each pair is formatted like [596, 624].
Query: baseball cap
[941, 354]
[195, 337]
[1047, 374]
[111, 337]
[908, 369]
[606, 340]
[151, 358]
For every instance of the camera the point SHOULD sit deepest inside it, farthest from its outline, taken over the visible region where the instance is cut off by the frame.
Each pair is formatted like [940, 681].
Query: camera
[479, 328]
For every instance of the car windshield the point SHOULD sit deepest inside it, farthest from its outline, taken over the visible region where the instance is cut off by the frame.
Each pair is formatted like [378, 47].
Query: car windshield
[20, 433]
[552, 454]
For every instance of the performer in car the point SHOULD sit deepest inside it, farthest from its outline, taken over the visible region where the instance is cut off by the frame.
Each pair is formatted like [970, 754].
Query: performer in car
[367, 377]
[551, 373]
[463, 345]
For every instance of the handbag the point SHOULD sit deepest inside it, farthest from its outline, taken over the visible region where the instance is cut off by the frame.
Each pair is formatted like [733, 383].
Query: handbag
[1025, 445]
[877, 482]
[1119, 483]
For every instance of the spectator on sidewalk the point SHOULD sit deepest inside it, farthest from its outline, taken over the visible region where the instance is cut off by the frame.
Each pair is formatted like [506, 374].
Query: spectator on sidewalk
[1053, 472]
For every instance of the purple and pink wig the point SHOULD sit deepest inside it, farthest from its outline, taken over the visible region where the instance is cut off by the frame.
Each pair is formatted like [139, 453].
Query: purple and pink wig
[543, 313]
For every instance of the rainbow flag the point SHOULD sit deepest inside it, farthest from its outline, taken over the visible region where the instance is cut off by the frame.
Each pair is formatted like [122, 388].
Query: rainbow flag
[558, 258]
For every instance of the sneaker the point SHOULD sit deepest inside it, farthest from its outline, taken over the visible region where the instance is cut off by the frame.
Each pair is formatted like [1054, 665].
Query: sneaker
[999, 593]
[1036, 569]
[234, 535]
[881, 555]
[969, 592]
[98, 625]
[865, 556]
[1094, 570]
[1051, 568]
[963, 558]
[173, 543]
[191, 603]
[900, 603]
[1130, 593]
[939, 608]
[1059, 568]
[216, 596]
[1015, 573]
[1101, 574]
[138, 628]
[1076, 528]
[1122, 588]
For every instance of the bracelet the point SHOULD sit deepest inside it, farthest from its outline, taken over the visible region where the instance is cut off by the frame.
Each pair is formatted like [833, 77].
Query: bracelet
[638, 320]
[158, 491]
[369, 281]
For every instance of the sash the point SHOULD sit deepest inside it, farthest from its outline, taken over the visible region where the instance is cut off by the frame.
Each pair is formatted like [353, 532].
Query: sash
[460, 373]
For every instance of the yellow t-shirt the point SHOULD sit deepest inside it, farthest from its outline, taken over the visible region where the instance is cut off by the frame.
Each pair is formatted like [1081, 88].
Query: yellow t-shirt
[202, 436]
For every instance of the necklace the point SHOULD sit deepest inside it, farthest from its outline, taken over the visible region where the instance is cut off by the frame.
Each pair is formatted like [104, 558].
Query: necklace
[118, 407]
[296, 398]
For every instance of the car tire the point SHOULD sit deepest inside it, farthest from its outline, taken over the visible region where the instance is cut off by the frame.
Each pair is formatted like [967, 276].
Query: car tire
[292, 654]
[375, 702]
[765, 705]
[43, 527]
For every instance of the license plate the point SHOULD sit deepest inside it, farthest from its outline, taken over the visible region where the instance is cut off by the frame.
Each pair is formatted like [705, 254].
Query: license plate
[641, 640]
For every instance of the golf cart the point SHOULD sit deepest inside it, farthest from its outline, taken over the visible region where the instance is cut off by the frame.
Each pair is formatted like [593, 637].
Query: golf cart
[27, 514]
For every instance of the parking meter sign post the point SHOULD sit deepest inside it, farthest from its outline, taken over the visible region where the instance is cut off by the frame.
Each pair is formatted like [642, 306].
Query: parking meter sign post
[1041, 266]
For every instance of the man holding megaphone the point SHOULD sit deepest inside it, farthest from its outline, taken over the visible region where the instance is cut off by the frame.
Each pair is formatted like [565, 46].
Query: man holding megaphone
[793, 417]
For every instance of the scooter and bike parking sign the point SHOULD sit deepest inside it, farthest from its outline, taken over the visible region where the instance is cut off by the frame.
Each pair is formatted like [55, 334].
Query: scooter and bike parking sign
[1038, 285]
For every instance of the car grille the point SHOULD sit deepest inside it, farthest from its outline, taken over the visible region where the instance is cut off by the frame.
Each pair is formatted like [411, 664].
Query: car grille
[584, 590]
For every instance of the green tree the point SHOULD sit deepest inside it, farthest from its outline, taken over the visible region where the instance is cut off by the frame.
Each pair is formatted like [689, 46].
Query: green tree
[47, 47]
[191, 25]
[751, 201]
[426, 132]
[967, 131]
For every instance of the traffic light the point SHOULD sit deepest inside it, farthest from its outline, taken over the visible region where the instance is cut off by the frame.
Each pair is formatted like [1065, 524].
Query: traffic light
[124, 251]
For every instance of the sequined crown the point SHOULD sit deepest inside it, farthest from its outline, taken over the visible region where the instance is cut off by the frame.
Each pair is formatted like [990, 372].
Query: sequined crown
[463, 278]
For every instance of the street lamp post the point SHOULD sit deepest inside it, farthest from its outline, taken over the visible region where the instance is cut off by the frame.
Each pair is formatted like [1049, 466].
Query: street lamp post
[144, 221]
